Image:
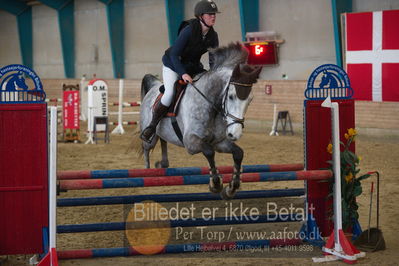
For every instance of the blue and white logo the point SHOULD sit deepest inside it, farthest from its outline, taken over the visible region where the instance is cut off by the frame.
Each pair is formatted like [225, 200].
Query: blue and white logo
[20, 84]
[328, 80]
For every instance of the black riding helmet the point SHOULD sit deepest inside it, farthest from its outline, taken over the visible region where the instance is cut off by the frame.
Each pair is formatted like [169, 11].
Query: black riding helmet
[205, 7]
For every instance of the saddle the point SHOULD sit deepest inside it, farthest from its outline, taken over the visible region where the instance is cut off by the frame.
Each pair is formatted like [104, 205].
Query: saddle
[179, 88]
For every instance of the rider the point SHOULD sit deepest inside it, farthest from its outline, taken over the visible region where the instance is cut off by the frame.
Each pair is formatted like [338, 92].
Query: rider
[182, 60]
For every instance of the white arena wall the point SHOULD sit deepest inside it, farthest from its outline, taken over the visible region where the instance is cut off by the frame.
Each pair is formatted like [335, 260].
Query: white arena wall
[305, 25]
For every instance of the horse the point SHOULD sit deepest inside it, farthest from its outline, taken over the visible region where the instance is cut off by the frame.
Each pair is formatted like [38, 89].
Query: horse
[211, 114]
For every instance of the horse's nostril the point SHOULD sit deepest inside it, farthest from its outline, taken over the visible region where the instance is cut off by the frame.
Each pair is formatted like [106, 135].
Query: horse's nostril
[230, 135]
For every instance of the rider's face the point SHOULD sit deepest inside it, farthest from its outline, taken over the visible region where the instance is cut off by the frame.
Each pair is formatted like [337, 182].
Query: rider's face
[209, 19]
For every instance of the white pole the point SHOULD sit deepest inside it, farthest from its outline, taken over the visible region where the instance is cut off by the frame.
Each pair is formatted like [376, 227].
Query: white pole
[119, 129]
[90, 118]
[83, 95]
[274, 126]
[337, 174]
[338, 251]
[337, 170]
[53, 178]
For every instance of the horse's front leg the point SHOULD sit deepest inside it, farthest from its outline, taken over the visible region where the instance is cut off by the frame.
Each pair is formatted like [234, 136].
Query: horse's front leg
[215, 180]
[238, 154]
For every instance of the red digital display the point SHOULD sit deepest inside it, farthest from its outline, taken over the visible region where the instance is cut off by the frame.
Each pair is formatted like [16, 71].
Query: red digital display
[262, 53]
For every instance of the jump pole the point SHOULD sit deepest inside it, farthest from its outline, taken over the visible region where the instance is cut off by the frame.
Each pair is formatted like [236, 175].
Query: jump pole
[190, 180]
[119, 128]
[177, 197]
[120, 226]
[51, 257]
[118, 173]
[53, 186]
[274, 131]
[83, 98]
[90, 115]
[126, 123]
[338, 245]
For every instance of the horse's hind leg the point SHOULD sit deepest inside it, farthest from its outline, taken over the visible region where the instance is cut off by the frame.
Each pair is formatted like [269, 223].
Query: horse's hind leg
[164, 163]
[238, 155]
[147, 147]
[215, 180]
[146, 155]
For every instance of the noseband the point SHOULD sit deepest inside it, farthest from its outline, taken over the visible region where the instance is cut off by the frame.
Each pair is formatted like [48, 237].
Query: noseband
[223, 111]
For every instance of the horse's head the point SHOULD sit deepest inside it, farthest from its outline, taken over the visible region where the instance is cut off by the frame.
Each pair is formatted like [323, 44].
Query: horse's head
[237, 98]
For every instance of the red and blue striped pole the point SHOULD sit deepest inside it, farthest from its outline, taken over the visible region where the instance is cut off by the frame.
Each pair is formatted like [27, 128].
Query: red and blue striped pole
[120, 173]
[190, 180]
[233, 220]
[182, 197]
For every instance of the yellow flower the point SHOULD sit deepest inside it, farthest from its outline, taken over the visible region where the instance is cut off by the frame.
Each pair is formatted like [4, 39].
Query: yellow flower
[352, 132]
[329, 148]
[360, 158]
[349, 177]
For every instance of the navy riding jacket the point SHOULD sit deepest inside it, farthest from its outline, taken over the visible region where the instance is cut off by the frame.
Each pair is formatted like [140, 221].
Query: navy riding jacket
[185, 54]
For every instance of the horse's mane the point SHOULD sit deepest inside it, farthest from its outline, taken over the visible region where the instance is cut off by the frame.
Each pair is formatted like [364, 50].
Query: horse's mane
[229, 56]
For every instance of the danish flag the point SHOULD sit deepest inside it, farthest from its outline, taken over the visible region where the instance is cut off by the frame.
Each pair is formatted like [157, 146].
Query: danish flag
[372, 54]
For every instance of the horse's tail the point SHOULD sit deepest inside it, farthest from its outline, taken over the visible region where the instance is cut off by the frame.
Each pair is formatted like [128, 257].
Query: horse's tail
[136, 144]
[147, 84]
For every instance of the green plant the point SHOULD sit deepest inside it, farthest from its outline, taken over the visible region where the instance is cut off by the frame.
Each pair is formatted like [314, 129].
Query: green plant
[351, 186]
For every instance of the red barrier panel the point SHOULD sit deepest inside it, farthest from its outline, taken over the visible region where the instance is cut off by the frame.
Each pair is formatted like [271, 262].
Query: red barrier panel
[23, 178]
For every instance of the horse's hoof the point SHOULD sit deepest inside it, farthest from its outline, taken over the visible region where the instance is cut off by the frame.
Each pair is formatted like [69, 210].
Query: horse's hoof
[216, 187]
[236, 184]
[160, 164]
[226, 193]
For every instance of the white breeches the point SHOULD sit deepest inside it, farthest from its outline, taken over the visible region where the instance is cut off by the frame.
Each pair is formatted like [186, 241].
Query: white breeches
[169, 79]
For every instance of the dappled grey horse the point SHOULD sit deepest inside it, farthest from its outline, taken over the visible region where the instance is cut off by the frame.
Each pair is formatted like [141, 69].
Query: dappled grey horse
[210, 116]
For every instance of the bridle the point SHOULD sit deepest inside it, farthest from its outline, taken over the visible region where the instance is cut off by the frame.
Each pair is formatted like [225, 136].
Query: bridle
[223, 109]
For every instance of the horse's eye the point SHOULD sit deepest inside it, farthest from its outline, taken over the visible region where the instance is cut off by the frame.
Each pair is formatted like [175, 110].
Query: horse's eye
[231, 97]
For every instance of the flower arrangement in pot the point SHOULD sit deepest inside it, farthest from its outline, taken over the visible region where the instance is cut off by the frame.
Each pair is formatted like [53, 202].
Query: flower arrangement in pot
[351, 186]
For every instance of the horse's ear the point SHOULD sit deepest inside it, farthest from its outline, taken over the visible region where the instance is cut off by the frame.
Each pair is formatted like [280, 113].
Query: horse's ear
[236, 71]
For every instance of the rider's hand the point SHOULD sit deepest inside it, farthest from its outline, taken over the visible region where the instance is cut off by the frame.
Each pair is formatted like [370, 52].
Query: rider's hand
[187, 78]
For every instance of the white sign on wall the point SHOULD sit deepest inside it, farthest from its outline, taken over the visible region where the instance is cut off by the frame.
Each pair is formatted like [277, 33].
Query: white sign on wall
[97, 101]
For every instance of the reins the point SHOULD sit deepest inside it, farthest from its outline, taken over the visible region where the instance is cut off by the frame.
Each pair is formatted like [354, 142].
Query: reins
[222, 110]
[209, 101]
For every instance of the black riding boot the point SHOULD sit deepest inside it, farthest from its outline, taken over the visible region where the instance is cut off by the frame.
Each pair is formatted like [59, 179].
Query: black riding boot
[158, 113]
